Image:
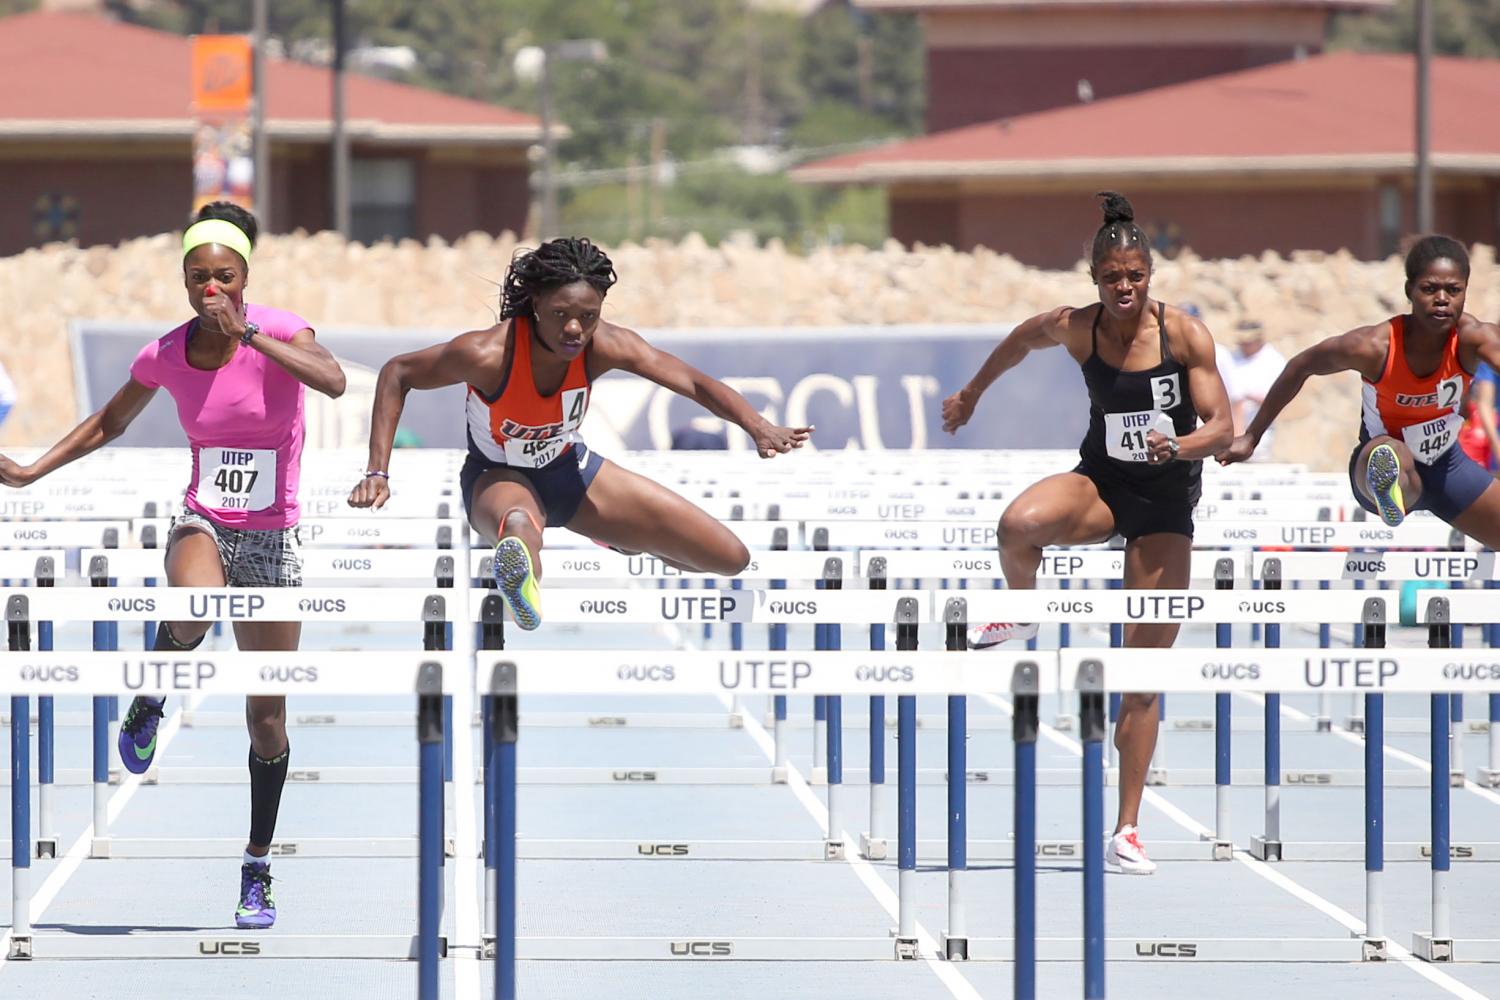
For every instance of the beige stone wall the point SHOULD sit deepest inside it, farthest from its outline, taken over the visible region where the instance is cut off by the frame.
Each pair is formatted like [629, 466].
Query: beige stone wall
[689, 284]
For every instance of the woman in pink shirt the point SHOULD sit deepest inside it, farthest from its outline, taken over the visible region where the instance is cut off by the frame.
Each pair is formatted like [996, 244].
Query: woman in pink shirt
[237, 373]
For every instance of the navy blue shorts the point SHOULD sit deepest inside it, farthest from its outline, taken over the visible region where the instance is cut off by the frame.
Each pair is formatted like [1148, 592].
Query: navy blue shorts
[560, 484]
[1449, 486]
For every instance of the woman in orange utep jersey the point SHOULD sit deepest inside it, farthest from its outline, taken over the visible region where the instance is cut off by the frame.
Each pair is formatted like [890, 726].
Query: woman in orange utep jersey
[1416, 370]
[528, 379]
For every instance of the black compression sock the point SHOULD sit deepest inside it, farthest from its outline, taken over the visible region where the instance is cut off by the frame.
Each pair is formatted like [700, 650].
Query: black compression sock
[165, 640]
[266, 780]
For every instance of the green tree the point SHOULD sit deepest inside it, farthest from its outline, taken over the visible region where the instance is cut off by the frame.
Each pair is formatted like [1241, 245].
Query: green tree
[1460, 28]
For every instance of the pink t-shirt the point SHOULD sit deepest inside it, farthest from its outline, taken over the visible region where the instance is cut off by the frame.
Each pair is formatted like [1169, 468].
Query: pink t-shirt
[244, 423]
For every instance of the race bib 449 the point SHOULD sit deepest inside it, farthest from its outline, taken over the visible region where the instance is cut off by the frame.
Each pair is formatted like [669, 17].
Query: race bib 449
[237, 478]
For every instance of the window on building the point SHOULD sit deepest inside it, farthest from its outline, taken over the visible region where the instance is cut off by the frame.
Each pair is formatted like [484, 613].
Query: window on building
[382, 199]
[1391, 209]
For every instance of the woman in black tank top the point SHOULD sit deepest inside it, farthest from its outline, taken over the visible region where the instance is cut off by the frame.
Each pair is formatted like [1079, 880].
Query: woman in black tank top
[1157, 408]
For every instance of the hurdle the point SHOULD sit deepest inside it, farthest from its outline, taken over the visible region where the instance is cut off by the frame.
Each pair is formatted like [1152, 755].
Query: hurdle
[1442, 612]
[428, 675]
[904, 673]
[98, 604]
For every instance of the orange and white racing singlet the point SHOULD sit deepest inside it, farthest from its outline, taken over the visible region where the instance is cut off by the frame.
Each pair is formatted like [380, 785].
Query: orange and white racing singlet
[520, 426]
[1424, 411]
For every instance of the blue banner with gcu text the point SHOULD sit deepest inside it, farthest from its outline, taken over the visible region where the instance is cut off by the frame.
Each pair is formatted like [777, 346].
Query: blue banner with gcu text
[862, 387]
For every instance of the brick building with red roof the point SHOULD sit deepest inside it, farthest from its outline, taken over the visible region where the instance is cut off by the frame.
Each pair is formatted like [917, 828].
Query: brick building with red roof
[988, 59]
[96, 114]
[1308, 154]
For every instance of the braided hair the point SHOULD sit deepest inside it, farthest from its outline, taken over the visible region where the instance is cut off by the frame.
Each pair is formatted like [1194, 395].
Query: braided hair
[1119, 231]
[552, 265]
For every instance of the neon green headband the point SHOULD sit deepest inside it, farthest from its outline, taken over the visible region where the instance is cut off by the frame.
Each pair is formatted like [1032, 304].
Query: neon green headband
[218, 231]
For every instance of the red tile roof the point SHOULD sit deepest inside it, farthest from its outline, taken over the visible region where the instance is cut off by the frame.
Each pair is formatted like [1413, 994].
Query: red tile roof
[1332, 112]
[85, 75]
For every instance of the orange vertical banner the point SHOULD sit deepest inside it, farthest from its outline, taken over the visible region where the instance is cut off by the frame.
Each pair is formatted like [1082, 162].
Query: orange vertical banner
[223, 154]
[221, 74]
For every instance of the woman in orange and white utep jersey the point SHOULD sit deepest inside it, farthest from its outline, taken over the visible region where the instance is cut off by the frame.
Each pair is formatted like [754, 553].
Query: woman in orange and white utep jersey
[1416, 370]
[528, 379]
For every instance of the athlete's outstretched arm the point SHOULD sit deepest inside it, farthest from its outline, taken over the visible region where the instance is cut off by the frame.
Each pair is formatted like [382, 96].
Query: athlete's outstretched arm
[628, 351]
[450, 363]
[97, 430]
[1206, 387]
[1360, 350]
[1034, 334]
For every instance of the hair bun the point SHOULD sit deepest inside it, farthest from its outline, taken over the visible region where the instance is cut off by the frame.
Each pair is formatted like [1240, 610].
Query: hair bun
[1116, 208]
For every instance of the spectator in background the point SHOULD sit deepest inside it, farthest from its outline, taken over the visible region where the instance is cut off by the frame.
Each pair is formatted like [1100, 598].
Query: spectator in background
[7, 394]
[1249, 370]
[1479, 438]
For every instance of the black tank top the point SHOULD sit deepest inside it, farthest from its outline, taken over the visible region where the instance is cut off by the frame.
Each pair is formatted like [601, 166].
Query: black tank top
[1123, 406]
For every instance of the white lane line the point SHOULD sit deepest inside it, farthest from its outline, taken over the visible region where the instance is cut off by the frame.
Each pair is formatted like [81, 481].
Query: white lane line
[1396, 753]
[927, 946]
[1281, 881]
[78, 852]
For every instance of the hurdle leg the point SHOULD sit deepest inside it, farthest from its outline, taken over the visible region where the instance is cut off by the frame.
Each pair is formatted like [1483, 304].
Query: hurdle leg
[430, 718]
[819, 773]
[736, 641]
[1024, 726]
[956, 936]
[906, 826]
[1456, 740]
[1223, 723]
[1374, 947]
[1324, 720]
[833, 847]
[1267, 847]
[1091, 730]
[46, 831]
[1491, 775]
[1437, 944]
[20, 829]
[504, 733]
[873, 844]
[778, 706]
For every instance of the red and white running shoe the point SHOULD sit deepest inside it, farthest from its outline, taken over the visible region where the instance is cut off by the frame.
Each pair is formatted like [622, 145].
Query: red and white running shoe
[1125, 853]
[993, 634]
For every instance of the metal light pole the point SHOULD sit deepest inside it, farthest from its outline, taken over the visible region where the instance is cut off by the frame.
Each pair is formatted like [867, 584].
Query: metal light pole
[533, 64]
[258, 138]
[1425, 221]
[339, 186]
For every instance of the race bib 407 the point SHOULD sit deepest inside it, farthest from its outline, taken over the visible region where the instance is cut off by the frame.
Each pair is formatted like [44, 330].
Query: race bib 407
[237, 478]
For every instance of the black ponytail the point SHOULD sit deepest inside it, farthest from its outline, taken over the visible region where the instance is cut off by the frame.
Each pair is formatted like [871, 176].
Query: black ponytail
[552, 265]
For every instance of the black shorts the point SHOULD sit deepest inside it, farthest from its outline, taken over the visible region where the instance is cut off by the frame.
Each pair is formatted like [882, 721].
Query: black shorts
[1137, 513]
[560, 484]
[1449, 486]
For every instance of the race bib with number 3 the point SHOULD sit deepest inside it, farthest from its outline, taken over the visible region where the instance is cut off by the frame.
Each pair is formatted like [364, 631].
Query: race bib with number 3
[1429, 440]
[1125, 435]
[237, 478]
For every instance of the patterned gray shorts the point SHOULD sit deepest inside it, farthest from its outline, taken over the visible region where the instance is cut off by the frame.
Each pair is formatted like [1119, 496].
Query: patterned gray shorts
[252, 558]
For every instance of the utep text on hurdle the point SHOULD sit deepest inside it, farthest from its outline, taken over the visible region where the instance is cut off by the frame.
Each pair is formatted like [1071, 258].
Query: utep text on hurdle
[1336, 671]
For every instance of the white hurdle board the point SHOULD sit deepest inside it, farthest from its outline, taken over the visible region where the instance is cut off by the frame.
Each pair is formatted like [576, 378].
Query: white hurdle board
[270, 604]
[1166, 606]
[1056, 564]
[812, 607]
[62, 534]
[604, 564]
[324, 564]
[1413, 533]
[342, 532]
[1418, 671]
[1386, 565]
